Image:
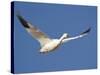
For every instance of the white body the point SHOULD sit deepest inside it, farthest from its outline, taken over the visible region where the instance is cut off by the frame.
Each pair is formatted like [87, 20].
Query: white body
[50, 46]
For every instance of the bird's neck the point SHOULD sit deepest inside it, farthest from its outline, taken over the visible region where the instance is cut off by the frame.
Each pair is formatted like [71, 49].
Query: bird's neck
[61, 39]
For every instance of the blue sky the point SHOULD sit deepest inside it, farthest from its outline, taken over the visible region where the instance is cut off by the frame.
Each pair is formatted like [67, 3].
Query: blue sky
[54, 20]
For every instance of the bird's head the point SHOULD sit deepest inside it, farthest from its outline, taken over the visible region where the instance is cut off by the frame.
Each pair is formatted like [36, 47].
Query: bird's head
[64, 36]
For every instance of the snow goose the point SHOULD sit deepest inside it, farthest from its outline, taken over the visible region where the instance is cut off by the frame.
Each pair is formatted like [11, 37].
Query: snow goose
[47, 44]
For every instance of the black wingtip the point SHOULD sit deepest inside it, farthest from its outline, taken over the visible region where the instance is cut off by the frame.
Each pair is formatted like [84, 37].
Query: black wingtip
[87, 31]
[22, 20]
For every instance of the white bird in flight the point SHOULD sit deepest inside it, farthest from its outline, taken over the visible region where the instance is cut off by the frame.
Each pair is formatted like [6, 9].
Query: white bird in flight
[48, 44]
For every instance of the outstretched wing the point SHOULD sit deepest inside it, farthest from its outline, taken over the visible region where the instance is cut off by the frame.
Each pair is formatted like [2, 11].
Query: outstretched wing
[79, 36]
[34, 31]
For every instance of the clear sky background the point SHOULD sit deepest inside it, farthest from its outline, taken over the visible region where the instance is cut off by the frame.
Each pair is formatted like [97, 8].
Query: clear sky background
[54, 20]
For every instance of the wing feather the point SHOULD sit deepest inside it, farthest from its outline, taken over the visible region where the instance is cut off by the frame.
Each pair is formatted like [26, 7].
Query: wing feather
[79, 36]
[34, 31]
